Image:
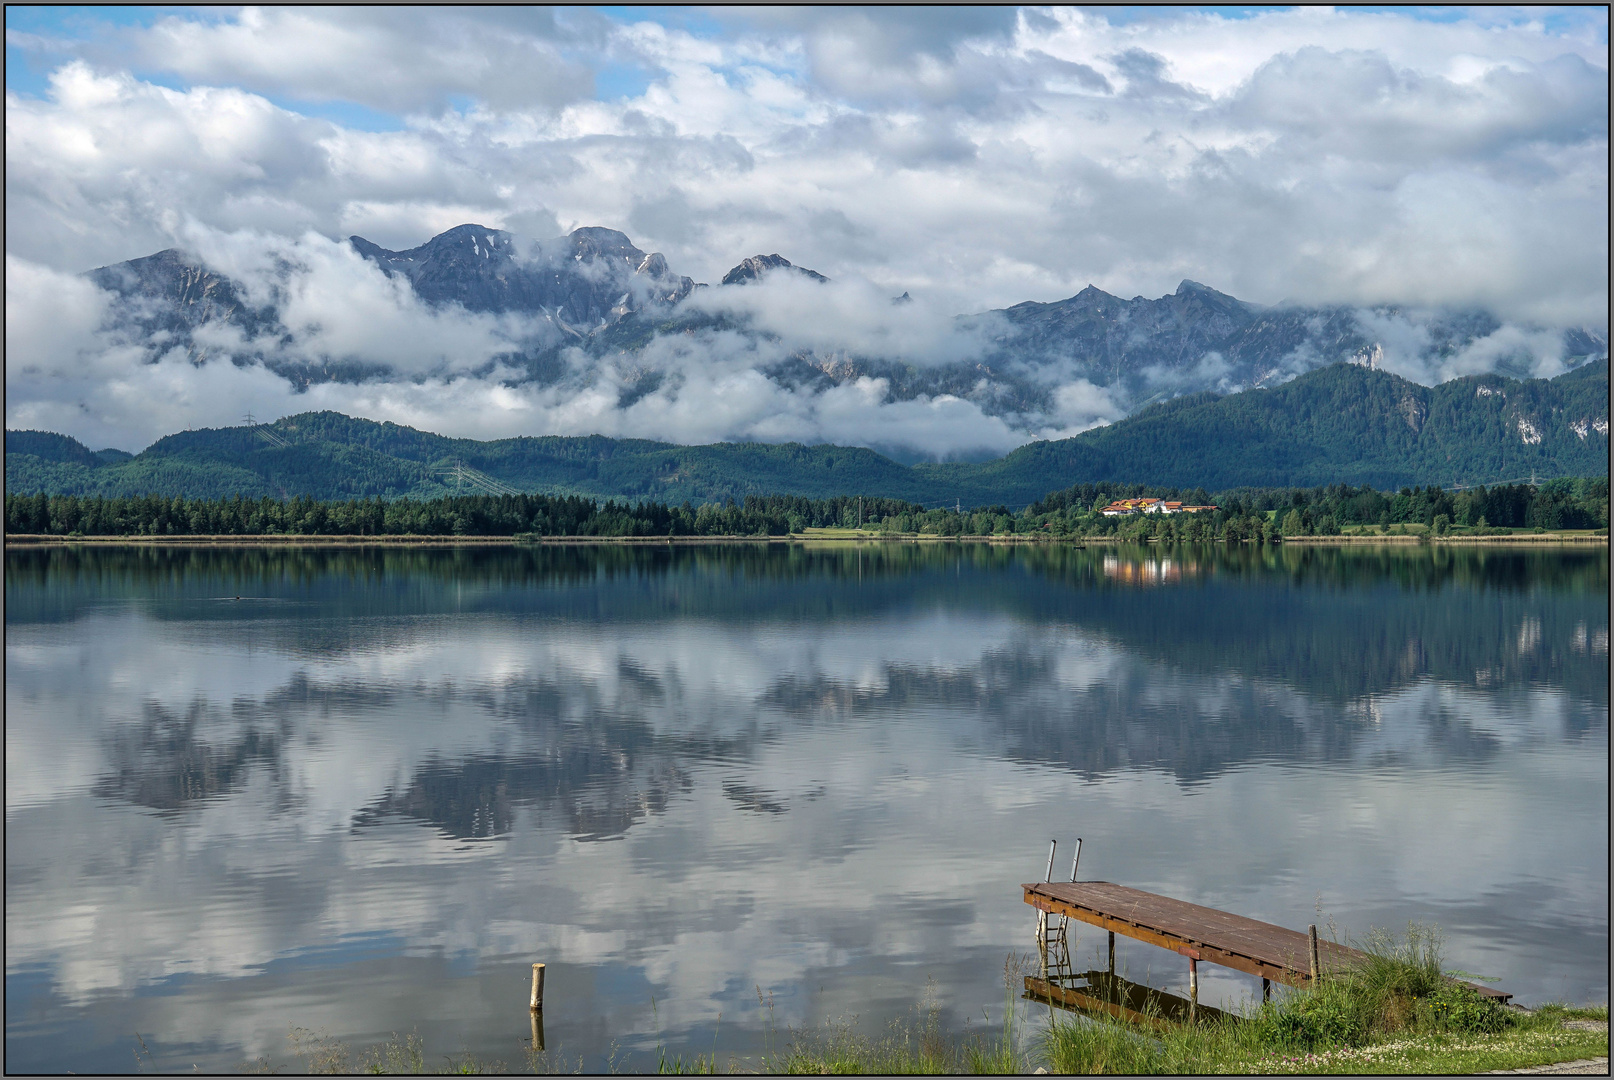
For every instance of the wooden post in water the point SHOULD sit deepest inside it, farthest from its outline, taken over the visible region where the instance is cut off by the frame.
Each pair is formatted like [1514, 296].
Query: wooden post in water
[1311, 944]
[1193, 989]
[537, 1030]
[537, 989]
[1266, 988]
[1112, 952]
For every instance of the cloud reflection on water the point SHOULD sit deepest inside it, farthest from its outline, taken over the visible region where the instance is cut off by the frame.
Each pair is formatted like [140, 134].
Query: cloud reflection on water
[779, 759]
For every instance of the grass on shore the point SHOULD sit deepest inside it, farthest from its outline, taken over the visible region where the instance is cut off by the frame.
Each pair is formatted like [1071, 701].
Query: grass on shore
[1094, 1047]
[1398, 1013]
[1075, 1045]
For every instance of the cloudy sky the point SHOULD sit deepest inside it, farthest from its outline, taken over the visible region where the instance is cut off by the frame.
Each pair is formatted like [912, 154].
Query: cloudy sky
[975, 158]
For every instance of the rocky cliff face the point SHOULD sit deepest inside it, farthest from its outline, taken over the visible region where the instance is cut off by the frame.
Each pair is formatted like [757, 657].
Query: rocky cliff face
[583, 281]
[172, 292]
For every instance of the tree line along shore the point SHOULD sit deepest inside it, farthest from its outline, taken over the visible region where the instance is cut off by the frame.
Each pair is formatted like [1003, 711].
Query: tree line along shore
[1245, 514]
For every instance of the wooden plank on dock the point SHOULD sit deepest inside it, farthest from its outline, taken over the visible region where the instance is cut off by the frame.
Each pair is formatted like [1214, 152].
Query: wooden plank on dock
[1201, 933]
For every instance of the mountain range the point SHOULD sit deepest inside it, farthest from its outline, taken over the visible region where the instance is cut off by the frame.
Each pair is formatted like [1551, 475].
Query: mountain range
[592, 300]
[1342, 423]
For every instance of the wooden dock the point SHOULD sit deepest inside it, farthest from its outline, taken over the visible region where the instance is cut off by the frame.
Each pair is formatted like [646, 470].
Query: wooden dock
[1270, 952]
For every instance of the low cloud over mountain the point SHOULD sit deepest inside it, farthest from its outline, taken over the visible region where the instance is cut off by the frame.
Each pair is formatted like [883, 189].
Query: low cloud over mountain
[481, 332]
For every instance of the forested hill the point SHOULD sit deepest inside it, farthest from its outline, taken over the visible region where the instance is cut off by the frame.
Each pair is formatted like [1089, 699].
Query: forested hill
[1341, 424]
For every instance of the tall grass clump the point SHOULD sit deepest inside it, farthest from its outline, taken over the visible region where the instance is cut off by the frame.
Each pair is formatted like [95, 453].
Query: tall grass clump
[983, 1056]
[1089, 1047]
[1398, 987]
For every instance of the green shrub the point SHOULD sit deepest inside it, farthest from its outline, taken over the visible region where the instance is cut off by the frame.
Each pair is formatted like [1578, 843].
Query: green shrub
[1336, 1014]
[1455, 1007]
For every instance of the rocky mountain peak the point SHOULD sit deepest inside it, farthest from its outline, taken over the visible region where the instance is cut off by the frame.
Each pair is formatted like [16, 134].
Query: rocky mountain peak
[590, 278]
[1095, 295]
[756, 266]
[592, 242]
[470, 235]
[1189, 289]
[178, 293]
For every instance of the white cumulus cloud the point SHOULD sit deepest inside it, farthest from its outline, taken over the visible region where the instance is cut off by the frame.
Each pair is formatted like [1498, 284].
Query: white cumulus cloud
[973, 159]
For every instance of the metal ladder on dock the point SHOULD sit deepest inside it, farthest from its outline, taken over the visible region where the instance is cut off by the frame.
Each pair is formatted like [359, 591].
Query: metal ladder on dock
[1053, 941]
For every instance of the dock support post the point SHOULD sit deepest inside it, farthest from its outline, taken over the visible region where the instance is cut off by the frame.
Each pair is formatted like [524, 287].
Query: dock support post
[1112, 952]
[1311, 944]
[537, 989]
[1266, 988]
[1193, 989]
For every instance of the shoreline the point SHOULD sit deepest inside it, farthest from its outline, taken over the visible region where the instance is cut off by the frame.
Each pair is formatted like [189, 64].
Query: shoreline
[1511, 538]
[410, 540]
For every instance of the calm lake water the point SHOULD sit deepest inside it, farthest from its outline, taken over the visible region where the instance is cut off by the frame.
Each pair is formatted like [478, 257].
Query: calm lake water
[368, 794]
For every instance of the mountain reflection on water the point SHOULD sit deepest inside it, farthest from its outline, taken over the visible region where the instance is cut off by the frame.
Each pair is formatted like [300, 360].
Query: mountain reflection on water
[831, 767]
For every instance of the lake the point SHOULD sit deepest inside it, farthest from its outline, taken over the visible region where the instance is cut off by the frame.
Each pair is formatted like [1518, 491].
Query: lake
[726, 790]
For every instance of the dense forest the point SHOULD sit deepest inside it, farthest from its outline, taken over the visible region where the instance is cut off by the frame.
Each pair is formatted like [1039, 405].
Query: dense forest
[1339, 424]
[1259, 514]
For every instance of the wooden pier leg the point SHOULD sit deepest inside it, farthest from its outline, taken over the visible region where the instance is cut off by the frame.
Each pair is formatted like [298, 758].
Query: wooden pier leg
[537, 987]
[1193, 989]
[1311, 943]
[1112, 952]
[1266, 988]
